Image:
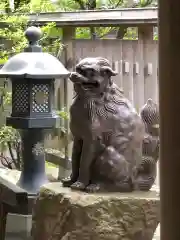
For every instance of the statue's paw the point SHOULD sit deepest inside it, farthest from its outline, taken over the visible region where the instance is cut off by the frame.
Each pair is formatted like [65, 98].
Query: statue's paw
[78, 186]
[92, 188]
[67, 182]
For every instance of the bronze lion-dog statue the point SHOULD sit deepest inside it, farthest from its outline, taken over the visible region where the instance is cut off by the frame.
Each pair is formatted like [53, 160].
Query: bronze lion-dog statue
[114, 148]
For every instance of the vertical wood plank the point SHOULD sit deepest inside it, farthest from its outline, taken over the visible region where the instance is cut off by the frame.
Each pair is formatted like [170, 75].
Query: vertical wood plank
[127, 57]
[145, 34]
[150, 64]
[138, 76]
[68, 60]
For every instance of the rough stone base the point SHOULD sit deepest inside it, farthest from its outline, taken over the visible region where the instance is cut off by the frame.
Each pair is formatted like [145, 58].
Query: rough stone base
[62, 214]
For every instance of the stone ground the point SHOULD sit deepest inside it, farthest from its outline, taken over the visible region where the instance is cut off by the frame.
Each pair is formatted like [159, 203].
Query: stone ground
[16, 238]
[13, 238]
[157, 234]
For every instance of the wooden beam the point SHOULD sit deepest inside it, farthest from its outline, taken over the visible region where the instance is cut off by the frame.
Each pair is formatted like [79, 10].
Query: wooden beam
[127, 16]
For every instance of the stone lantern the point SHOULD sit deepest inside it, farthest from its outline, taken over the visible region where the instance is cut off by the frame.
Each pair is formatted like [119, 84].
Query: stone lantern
[33, 74]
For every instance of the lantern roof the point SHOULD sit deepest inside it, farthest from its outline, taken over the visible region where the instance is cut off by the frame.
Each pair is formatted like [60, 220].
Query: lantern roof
[33, 63]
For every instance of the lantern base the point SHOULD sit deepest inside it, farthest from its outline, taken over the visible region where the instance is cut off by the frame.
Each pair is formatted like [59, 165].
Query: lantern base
[32, 187]
[33, 174]
[25, 123]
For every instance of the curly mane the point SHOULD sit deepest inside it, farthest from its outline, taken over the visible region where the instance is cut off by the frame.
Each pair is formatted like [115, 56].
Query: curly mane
[106, 104]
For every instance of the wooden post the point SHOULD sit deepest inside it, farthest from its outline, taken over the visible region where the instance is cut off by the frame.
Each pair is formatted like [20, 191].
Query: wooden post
[169, 97]
[145, 32]
[3, 218]
[69, 60]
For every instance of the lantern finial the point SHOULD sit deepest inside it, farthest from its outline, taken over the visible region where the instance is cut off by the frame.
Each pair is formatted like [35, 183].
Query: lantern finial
[33, 35]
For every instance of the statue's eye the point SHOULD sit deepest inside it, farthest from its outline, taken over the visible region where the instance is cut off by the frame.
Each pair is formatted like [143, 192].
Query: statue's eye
[80, 71]
[86, 72]
[103, 72]
[90, 72]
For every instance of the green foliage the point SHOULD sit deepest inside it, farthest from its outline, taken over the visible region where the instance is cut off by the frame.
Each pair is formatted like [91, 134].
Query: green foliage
[131, 34]
[6, 97]
[156, 37]
[12, 41]
[41, 6]
[51, 40]
[8, 135]
[10, 142]
[12, 33]
[63, 114]
[48, 6]
[83, 33]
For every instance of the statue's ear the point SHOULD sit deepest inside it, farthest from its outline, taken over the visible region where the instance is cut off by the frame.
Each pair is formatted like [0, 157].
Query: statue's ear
[108, 70]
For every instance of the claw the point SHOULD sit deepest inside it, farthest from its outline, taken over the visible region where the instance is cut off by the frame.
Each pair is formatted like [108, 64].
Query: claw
[92, 188]
[78, 186]
[67, 182]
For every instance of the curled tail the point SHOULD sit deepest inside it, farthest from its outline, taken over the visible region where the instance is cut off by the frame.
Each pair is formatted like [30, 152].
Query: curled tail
[146, 172]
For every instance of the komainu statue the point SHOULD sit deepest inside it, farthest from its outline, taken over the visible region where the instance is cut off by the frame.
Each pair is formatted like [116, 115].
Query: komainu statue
[115, 148]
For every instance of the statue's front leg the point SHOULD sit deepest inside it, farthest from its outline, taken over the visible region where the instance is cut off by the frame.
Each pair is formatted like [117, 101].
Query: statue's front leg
[76, 156]
[87, 157]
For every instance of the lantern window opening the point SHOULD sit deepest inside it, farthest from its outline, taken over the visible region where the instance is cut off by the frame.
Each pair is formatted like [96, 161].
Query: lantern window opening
[40, 98]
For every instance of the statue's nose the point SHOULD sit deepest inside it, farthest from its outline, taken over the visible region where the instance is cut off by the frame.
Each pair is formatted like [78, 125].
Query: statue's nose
[77, 78]
[73, 77]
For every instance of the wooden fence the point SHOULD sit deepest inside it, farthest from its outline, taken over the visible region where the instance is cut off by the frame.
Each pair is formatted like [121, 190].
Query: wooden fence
[135, 63]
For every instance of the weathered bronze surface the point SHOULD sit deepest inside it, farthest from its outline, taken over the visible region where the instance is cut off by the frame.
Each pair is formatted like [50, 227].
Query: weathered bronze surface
[114, 148]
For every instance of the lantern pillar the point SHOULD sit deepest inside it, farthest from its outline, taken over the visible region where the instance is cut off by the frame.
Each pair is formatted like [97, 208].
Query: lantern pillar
[33, 174]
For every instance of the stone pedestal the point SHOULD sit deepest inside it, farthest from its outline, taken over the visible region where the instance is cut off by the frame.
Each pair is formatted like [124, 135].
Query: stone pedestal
[62, 214]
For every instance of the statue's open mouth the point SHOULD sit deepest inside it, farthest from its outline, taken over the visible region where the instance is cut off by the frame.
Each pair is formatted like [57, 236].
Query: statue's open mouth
[90, 85]
[84, 81]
